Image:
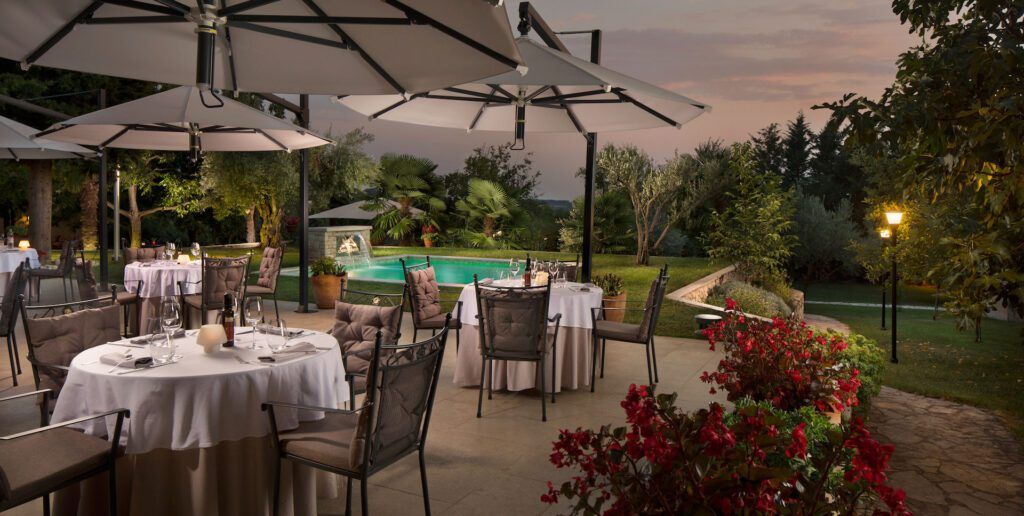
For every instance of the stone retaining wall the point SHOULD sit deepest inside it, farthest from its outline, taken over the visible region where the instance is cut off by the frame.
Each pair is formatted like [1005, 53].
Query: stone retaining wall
[696, 293]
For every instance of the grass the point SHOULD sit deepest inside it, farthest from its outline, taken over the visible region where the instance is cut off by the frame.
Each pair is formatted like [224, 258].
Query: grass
[676, 319]
[935, 359]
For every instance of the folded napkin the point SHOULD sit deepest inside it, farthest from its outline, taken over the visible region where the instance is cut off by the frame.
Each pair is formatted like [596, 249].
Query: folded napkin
[145, 339]
[486, 281]
[121, 359]
[295, 351]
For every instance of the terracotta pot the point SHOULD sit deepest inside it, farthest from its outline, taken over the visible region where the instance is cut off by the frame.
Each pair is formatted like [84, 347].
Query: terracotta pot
[618, 301]
[428, 242]
[327, 288]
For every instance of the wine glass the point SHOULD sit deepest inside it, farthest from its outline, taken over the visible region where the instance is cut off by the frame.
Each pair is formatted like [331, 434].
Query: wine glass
[170, 251]
[515, 267]
[275, 327]
[195, 250]
[170, 322]
[253, 315]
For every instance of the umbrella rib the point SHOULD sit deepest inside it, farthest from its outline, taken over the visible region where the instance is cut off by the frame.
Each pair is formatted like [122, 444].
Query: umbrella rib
[244, 6]
[478, 94]
[569, 112]
[13, 155]
[271, 138]
[556, 98]
[479, 113]
[503, 91]
[126, 20]
[56, 37]
[142, 6]
[230, 49]
[533, 95]
[324, 18]
[393, 106]
[469, 99]
[286, 34]
[119, 134]
[345, 38]
[177, 6]
[648, 109]
[417, 16]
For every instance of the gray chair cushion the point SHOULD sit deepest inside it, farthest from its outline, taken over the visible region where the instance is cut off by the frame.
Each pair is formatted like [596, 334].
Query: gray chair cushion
[356, 326]
[57, 340]
[437, 322]
[329, 441]
[33, 465]
[257, 290]
[270, 266]
[426, 294]
[618, 331]
[143, 254]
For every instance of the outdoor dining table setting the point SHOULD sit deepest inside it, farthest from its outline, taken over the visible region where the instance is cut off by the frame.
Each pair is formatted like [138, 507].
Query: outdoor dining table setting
[11, 257]
[574, 301]
[197, 440]
[160, 279]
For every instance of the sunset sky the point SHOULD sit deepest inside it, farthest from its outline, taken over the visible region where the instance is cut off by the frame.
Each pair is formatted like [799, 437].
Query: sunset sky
[754, 61]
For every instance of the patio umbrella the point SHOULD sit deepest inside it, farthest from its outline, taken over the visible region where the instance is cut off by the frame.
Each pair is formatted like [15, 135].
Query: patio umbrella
[356, 211]
[179, 120]
[559, 93]
[16, 143]
[283, 46]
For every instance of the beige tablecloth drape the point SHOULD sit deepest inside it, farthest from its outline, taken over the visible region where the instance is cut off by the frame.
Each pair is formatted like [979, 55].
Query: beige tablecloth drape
[573, 353]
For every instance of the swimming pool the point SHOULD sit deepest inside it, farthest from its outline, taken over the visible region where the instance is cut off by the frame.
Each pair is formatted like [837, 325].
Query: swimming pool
[451, 270]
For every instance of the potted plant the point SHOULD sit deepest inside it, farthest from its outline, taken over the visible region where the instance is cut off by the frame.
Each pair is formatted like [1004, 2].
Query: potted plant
[328, 278]
[614, 296]
[429, 231]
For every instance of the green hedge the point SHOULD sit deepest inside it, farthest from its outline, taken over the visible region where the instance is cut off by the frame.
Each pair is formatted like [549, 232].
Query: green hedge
[751, 299]
[868, 357]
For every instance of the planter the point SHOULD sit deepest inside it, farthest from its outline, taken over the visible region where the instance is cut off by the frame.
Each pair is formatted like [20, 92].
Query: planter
[618, 301]
[327, 288]
[427, 242]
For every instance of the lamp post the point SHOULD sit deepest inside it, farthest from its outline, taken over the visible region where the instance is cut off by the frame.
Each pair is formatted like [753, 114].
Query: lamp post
[894, 218]
[884, 234]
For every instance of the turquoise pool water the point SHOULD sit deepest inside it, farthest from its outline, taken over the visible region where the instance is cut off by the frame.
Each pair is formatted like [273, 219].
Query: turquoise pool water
[450, 270]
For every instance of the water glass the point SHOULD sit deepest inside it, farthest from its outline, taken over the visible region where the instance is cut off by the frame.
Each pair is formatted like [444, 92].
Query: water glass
[515, 267]
[275, 328]
[195, 250]
[171, 248]
[170, 322]
[253, 315]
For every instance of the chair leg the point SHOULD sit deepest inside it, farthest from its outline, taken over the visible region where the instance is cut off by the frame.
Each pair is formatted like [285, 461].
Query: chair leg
[352, 394]
[415, 330]
[277, 485]
[65, 282]
[480, 397]
[364, 501]
[554, 368]
[490, 379]
[46, 504]
[457, 333]
[593, 362]
[654, 359]
[650, 373]
[14, 367]
[17, 355]
[423, 480]
[112, 490]
[604, 351]
[348, 497]
[543, 396]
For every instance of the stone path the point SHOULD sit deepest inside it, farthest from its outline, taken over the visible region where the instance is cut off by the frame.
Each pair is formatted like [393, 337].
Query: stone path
[950, 458]
[822, 323]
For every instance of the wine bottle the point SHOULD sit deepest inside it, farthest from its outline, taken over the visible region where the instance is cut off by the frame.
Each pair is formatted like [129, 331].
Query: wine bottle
[527, 276]
[228, 320]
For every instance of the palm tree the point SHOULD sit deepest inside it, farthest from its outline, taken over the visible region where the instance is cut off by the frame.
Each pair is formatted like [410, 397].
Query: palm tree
[405, 182]
[486, 204]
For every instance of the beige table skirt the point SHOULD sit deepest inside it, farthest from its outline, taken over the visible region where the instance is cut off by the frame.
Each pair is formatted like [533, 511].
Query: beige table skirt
[234, 478]
[573, 353]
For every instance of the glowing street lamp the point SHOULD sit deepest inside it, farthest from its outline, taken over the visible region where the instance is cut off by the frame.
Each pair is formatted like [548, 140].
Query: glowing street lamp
[894, 218]
[884, 234]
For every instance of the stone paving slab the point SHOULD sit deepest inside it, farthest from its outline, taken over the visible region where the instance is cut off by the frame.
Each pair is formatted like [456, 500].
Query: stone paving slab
[950, 458]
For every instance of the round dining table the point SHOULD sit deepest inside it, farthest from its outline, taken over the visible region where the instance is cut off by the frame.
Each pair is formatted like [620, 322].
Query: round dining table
[197, 441]
[159, 280]
[574, 347]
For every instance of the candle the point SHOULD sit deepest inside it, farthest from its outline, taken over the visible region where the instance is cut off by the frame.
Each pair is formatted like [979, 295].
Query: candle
[23, 244]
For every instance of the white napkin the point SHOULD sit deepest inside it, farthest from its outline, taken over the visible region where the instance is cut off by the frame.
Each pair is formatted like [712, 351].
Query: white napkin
[118, 358]
[295, 351]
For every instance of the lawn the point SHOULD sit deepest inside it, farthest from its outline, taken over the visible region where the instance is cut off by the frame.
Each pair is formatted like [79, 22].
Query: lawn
[936, 359]
[676, 319]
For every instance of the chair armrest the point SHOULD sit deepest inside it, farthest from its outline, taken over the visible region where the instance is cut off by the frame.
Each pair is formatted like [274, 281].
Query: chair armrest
[27, 394]
[269, 404]
[121, 411]
[37, 363]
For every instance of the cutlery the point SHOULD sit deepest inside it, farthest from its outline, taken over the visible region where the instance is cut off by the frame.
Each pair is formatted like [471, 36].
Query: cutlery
[142, 369]
[128, 356]
[126, 345]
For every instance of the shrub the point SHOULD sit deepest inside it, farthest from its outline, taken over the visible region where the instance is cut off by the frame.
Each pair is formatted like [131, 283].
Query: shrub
[755, 300]
[756, 460]
[781, 362]
[864, 355]
[610, 284]
[326, 266]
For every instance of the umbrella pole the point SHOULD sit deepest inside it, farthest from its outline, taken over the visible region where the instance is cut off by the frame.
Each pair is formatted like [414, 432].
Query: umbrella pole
[304, 213]
[588, 194]
[104, 266]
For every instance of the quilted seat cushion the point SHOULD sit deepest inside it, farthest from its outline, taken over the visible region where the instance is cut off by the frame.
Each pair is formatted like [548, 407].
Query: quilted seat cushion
[356, 326]
[143, 254]
[426, 294]
[57, 340]
[34, 464]
[270, 265]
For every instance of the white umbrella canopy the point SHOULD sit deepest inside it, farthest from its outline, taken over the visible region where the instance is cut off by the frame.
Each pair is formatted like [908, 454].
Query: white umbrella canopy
[560, 93]
[356, 211]
[16, 143]
[179, 119]
[282, 46]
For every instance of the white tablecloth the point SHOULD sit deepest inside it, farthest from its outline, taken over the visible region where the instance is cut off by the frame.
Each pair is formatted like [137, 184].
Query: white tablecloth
[203, 399]
[569, 300]
[161, 278]
[10, 259]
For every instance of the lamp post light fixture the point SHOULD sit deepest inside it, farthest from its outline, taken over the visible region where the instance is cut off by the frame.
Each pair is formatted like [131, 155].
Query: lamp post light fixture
[894, 218]
[884, 234]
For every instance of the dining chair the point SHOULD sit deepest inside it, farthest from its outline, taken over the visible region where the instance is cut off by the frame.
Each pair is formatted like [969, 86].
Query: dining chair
[143, 254]
[62, 271]
[40, 461]
[513, 325]
[219, 276]
[127, 296]
[571, 268]
[390, 425]
[643, 333]
[358, 317]
[9, 317]
[425, 301]
[266, 283]
[56, 334]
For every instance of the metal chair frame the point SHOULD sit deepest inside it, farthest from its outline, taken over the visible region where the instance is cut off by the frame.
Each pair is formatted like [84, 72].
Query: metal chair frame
[65, 266]
[203, 307]
[406, 269]
[375, 297]
[12, 339]
[273, 295]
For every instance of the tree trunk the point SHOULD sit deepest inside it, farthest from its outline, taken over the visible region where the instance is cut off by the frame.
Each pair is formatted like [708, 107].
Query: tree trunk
[90, 214]
[40, 204]
[488, 227]
[270, 231]
[134, 216]
[250, 225]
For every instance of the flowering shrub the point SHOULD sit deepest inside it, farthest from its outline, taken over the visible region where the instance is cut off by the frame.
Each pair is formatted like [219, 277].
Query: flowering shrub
[757, 459]
[782, 362]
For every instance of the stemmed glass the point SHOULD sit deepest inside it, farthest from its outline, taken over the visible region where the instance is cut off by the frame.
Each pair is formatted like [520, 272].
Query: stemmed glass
[253, 315]
[275, 327]
[171, 248]
[195, 250]
[170, 322]
[515, 267]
